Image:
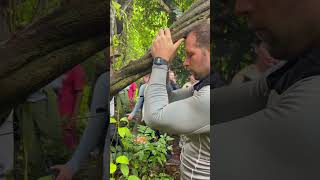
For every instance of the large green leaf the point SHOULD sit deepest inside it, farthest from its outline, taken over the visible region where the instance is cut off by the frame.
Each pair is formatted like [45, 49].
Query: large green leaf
[132, 177]
[124, 169]
[122, 160]
[113, 120]
[113, 168]
[124, 131]
[46, 178]
[124, 119]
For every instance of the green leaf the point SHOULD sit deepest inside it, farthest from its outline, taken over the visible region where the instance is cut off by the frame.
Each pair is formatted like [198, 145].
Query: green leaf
[124, 169]
[113, 120]
[141, 128]
[116, 5]
[141, 155]
[169, 138]
[124, 119]
[122, 160]
[113, 168]
[134, 171]
[113, 149]
[160, 160]
[45, 178]
[124, 131]
[132, 177]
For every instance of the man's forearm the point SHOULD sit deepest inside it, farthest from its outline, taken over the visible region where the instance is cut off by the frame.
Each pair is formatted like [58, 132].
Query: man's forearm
[90, 138]
[235, 101]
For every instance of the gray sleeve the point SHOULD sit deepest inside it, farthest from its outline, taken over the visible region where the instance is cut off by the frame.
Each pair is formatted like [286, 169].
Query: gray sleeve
[187, 116]
[295, 114]
[299, 103]
[96, 124]
[284, 136]
[235, 101]
[140, 100]
[180, 94]
[237, 79]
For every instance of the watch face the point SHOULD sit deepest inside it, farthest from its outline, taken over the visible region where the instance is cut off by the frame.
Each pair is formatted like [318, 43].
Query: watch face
[157, 61]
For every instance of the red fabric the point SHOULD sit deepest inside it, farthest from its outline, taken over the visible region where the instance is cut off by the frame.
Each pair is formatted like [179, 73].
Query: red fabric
[72, 83]
[132, 91]
[131, 94]
[70, 138]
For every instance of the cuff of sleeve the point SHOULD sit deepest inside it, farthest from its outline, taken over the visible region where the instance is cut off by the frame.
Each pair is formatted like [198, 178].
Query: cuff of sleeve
[159, 74]
[73, 166]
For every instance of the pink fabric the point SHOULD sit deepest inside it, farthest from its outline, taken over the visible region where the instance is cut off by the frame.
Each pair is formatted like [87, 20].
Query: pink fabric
[131, 93]
[70, 138]
[132, 90]
[73, 81]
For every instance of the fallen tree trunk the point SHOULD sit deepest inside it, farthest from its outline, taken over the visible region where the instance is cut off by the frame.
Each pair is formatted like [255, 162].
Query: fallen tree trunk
[199, 11]
[47, 48]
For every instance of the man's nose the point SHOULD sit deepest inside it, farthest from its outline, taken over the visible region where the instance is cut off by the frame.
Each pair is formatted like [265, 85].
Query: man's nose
[242, 7]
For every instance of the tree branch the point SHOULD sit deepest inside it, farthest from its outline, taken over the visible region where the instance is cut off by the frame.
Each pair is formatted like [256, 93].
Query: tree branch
[136, 69]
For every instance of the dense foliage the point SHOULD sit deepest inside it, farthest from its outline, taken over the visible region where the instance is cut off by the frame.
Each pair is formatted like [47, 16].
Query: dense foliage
[17, 15]
[138, 156]
[141, 22]
[232, 40]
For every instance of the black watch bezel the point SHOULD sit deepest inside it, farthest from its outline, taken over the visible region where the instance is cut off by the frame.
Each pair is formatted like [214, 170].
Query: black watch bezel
[159, 61]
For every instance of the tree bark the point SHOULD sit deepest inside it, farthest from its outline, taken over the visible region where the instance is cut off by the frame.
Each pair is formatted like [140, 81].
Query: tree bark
[50, 46]
[4, 28]
[199, 11]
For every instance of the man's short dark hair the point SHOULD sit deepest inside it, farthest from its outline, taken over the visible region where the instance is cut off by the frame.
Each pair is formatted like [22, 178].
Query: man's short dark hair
[202, 33]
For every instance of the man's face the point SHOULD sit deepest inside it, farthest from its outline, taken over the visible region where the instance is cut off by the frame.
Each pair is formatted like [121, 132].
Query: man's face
[287, 27]
[197, 59]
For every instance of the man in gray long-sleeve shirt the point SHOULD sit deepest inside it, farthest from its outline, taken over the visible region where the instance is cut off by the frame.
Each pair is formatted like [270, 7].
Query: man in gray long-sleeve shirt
[184, 111]
[269, 128]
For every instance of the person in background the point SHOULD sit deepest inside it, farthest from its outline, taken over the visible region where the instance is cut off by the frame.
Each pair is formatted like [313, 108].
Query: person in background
[7, 148]
[138, 106]
[98, 128]
[172, 83]
[131, 94]
[69, 100]
[263, 63]
[38, 125]
[191, 81]
[101, 67]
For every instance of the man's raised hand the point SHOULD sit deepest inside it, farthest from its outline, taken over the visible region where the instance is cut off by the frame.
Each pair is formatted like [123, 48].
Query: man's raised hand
[163, 46]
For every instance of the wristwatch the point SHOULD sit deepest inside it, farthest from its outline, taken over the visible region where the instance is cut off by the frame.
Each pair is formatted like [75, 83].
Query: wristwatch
[159, 61]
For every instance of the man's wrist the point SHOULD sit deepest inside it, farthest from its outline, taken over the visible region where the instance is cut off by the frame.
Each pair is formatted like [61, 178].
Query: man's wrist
[160, 61]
